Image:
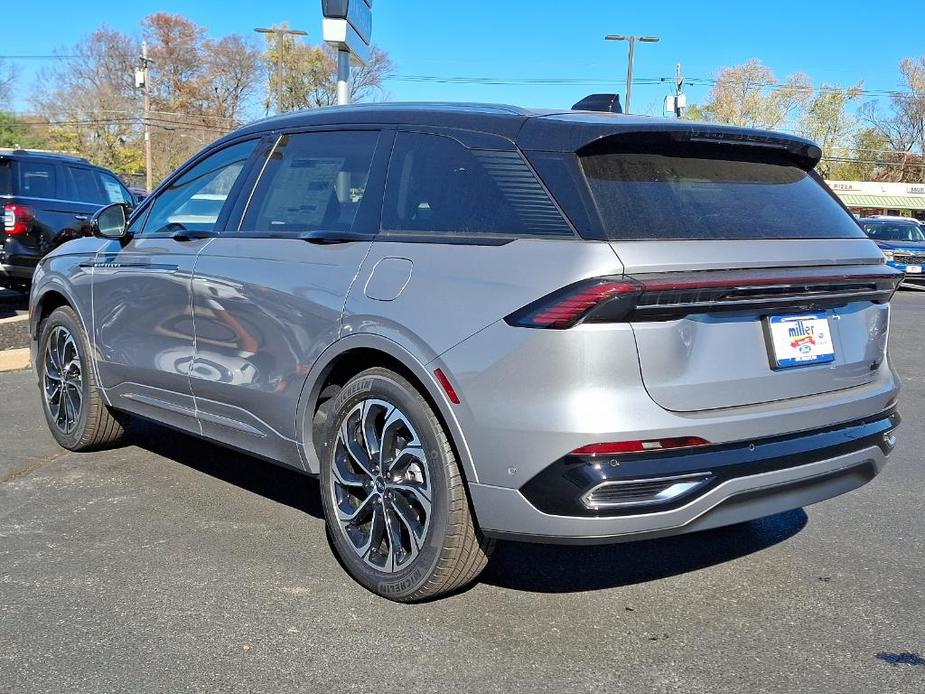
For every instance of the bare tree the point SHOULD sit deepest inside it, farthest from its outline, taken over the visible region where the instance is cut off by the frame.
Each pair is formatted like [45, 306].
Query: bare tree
[903, 125]
[309, 75]
[750, 95]
[7, 77]
[90, 103]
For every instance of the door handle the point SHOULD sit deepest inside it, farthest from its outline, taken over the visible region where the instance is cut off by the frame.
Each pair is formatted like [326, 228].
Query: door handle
[81, 217]
[332, 237]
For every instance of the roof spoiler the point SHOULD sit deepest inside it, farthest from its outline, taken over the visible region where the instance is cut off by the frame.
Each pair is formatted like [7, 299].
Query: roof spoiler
[608, 103]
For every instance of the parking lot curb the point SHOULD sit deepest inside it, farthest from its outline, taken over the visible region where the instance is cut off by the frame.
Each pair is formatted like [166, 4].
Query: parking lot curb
[14, 319]
[14, 359]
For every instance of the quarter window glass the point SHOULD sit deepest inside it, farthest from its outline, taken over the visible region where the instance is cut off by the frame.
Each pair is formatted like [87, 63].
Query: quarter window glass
[438, 185]
[37, 180]
[313, 181]
[115, 191]
[195, 200]
[86, 185]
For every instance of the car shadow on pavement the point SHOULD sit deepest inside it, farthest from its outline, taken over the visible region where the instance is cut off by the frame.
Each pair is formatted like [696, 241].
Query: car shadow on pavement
[519, 566]
[567, 569]
[275, 482]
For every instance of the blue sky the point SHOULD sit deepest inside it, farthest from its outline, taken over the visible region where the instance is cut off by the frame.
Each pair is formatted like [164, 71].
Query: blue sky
[839, 43]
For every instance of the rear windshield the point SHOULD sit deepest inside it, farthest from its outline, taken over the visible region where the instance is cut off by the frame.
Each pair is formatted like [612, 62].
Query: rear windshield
[658, 189]
[6, 177]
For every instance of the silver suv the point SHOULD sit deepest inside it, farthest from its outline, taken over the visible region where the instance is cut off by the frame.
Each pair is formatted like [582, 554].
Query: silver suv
[478, 322]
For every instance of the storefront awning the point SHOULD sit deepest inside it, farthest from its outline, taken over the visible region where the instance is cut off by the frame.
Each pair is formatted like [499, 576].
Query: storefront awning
[893, 202]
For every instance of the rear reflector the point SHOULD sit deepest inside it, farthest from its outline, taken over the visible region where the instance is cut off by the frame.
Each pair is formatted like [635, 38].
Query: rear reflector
[447, 386]
[639, 446]
[675, 295]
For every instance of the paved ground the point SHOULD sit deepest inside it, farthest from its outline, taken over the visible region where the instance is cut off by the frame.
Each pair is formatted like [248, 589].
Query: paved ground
[174, 566]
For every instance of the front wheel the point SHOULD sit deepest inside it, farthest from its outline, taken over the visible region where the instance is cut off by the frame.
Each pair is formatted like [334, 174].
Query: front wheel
[394, 499]
[76, 414]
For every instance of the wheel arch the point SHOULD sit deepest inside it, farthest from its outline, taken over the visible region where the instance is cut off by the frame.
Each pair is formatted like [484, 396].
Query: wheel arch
[351, 355]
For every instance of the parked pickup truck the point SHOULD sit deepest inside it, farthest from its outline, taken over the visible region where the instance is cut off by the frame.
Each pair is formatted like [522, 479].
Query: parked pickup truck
[45, 200]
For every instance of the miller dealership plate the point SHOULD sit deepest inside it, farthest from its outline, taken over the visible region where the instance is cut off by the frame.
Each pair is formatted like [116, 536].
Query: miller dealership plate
[800, 340]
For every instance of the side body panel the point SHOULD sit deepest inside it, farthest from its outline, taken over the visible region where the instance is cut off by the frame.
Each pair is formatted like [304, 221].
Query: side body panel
[265, 310]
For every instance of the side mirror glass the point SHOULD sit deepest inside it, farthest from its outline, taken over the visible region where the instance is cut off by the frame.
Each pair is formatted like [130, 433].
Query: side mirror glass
[110, 222]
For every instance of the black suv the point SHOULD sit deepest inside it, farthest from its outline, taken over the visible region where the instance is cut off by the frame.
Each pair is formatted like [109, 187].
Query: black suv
[47, 199]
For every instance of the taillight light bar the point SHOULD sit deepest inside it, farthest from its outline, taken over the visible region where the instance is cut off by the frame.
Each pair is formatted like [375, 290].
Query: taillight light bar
[675, 295]
[17, 218]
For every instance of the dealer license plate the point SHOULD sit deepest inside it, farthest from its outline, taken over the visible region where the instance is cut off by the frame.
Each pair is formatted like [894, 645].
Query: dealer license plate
[800, 340]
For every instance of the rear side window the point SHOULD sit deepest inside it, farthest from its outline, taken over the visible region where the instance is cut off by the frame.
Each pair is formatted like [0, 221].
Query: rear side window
[6, 177]
[37, 179]
[86, 185]
[655, 188]
[313, 181]
[436, 185]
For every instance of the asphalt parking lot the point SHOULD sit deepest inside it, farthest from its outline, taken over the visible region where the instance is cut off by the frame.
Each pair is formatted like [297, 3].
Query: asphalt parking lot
[173, 565]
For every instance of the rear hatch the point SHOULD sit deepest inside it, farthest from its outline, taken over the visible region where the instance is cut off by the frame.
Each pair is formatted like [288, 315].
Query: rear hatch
[755, 284]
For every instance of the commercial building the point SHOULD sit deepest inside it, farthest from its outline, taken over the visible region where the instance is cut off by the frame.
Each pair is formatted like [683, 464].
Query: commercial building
[866, 198]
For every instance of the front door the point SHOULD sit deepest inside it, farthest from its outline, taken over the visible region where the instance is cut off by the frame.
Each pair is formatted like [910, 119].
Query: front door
[143, 323]
[268, 294]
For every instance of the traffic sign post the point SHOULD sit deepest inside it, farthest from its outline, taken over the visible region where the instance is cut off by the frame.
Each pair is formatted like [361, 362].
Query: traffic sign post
[347, 27]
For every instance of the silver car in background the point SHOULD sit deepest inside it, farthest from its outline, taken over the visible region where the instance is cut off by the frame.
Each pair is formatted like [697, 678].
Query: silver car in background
[478, 322]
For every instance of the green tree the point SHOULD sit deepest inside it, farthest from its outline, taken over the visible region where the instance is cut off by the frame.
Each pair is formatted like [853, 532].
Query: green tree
[19, 132]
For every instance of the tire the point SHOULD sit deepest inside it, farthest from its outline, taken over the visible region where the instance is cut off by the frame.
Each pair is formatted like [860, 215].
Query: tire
[77, 416]
[413, 536]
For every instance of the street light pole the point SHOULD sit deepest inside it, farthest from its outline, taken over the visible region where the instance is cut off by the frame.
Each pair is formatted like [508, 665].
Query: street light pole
[280, 32]
[343, 77]
[629, 64]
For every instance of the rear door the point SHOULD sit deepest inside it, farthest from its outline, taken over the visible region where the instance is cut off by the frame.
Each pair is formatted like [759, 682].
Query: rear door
[269, 292]
[761, 285]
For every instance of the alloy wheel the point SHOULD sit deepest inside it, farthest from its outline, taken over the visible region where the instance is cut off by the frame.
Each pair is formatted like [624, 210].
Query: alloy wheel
[381, 485]
[62, 380]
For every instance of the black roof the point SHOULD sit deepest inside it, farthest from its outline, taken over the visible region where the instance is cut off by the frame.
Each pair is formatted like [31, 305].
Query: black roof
[42, 154]
[536, 129]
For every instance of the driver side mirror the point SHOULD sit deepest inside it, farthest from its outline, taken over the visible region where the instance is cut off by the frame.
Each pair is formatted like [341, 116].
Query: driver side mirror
[110, 222]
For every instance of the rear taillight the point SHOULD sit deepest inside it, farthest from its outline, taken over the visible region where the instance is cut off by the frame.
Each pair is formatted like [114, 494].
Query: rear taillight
[17, 219]
[650, 446]
[570, 305]
[675, 295]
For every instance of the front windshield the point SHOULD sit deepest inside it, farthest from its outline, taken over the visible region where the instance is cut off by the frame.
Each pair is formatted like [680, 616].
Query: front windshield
[894, 231]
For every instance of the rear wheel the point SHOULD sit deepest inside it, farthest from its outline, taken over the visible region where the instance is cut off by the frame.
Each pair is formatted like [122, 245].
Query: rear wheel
[74, 409]
[394, 499]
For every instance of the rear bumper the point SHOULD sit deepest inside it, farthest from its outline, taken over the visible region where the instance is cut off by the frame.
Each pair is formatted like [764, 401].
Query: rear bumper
[854, 455]
[17, 273]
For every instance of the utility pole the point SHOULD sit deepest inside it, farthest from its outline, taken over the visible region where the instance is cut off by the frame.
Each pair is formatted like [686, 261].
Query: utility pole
[629, 64]
[141, 80]
[679, 103]
[281, 32]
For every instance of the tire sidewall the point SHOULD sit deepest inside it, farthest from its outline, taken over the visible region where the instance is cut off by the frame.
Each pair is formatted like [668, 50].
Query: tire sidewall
[397, 391]
[66, 318]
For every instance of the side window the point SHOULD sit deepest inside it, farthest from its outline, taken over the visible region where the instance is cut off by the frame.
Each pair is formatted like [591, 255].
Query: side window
[37, 180]
[313, 181]
[115, 191]
[194, 201]
[436, 185]
[86, 185]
